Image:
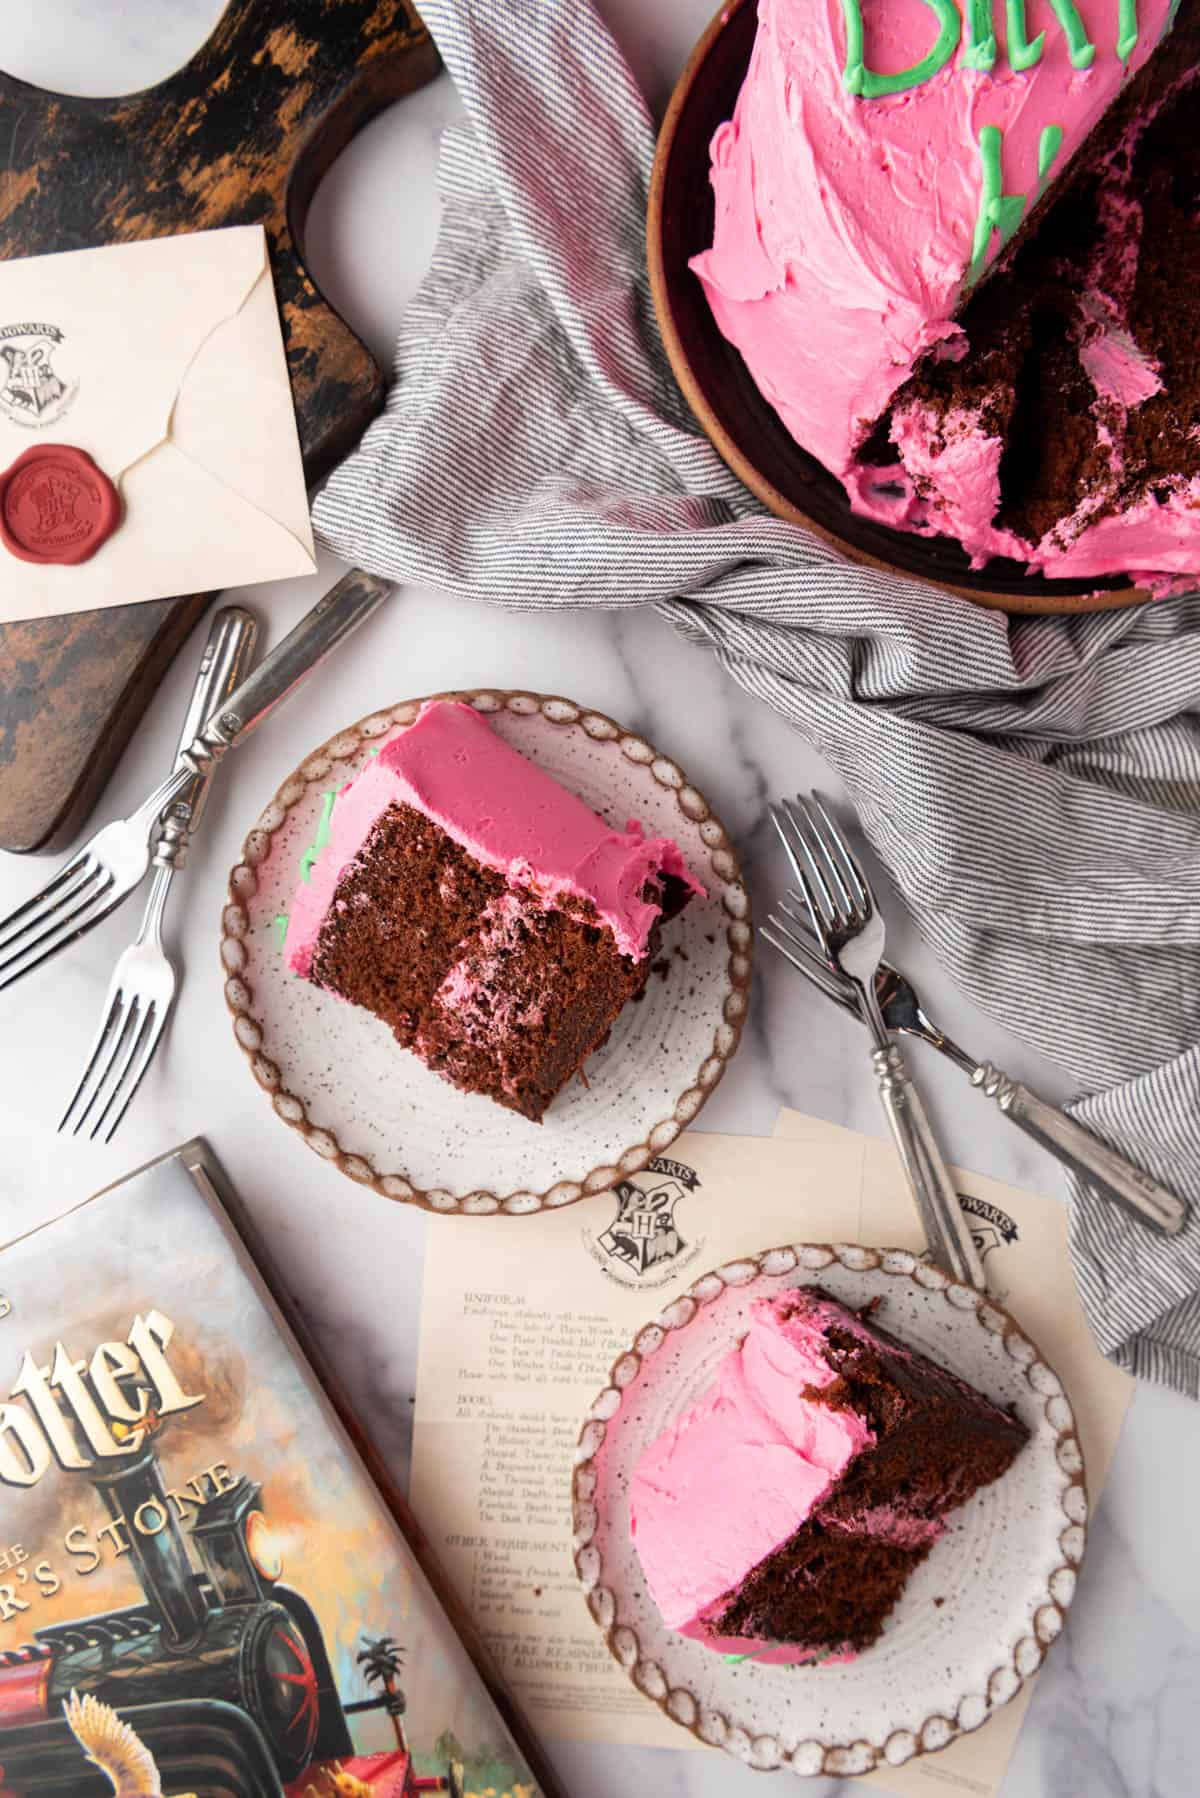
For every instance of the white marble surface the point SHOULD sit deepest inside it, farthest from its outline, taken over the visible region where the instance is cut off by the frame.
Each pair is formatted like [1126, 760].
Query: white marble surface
[1116, 1713]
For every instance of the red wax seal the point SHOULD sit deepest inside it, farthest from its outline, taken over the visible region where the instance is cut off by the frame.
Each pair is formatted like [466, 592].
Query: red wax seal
[56, 505]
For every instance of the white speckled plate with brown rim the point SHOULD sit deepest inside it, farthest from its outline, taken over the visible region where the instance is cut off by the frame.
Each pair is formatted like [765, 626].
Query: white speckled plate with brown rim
[977, 1616]
[335, 1073]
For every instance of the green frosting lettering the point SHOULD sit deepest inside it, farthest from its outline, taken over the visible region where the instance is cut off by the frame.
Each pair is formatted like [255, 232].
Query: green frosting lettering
[859, 79]
[998, 211]
[1021, 53]
[1079, 44]
[1049, 144]
[981, 51]
[280, 922]
[1127, 29]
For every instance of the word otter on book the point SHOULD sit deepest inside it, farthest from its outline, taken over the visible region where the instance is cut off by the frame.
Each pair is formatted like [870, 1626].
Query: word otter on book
[79, 1411]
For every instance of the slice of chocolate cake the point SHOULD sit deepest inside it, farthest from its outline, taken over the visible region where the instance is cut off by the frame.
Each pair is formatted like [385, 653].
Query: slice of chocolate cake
[485, 914]
[783, 1514]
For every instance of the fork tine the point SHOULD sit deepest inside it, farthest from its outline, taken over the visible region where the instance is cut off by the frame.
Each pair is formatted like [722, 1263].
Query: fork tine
[122, 1036]
[804, 946]
[781, 819]
[817, 923]
[806, 924]
[781, 831]
[790, 828]
[787, 945]
[19, 921]
[146, 1054]
[141, 1018]
[88, 912]
[806, 961]
[112, 1021]
[804, 828]
[848, 860]
[850, 909]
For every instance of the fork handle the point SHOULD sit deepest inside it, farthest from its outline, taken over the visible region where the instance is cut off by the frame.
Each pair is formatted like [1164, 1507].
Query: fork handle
[340, 611]
[228, 651]
[946, 1229]
[1086, 1154]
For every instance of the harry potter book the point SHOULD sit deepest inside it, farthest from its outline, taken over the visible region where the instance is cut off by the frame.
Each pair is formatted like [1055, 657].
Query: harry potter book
[207, 1587]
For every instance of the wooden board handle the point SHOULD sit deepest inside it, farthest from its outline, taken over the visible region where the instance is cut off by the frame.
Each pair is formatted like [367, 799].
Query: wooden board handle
[241, 134]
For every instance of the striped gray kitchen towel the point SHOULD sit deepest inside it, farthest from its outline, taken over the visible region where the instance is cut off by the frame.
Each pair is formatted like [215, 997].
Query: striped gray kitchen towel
[1032, 786]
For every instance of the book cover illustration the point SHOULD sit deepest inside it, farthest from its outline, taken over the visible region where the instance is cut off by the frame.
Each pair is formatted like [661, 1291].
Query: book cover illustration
[202, 1592]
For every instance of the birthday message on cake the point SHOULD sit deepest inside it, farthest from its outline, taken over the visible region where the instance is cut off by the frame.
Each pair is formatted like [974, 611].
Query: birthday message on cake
[972, 26]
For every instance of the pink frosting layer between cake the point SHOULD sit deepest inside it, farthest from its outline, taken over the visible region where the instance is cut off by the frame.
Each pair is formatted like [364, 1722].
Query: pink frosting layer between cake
[844, 232]
[505, 811]
[742, 1469]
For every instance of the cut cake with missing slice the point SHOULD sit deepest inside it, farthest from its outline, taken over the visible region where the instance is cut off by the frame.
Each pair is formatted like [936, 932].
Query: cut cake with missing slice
[961, 267]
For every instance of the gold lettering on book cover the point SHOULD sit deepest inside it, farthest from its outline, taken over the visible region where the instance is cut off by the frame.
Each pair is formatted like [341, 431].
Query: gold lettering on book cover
[79, 1411]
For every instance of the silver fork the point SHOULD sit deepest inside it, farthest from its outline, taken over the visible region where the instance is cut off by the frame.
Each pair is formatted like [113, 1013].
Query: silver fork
[142, 989]
[847, 922]
[108, 868]
[95, 879]
[1069, 1142]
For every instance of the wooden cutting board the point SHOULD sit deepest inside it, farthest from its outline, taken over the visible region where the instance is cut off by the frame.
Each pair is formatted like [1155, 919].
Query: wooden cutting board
[241, 135]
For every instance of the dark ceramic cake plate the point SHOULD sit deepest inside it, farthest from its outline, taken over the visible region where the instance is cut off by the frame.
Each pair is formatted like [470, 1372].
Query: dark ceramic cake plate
[741, 424]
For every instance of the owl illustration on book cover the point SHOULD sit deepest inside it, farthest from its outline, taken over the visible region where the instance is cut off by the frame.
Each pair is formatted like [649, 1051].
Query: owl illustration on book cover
[202, 1591]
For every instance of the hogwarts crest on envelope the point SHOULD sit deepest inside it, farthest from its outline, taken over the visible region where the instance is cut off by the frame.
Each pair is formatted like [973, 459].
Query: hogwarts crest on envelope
[164, 362]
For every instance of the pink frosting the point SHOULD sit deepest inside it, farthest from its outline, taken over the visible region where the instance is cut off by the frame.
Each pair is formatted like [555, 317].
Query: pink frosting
[1117, 368]
[843, 239]
[474, 992]
[743, 1468]
[950, 491]
[888, 1524]
[505, 811]
[767, 1654]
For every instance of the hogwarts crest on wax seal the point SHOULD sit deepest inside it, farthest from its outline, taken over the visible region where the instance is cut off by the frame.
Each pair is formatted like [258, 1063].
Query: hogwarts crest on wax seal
[34, 391]
[56, 505]
[645, 1244]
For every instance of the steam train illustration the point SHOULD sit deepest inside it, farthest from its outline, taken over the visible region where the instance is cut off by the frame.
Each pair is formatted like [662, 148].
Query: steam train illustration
[221, 1669]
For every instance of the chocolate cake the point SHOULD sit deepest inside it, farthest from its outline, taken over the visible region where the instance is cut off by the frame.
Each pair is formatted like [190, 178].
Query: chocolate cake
[782, 1516]
[485, 914]
[961, 265]
[1083, 364]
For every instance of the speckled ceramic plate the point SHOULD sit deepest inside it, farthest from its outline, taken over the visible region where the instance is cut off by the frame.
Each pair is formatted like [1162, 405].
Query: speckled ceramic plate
[335, 1073]
[977, 1616]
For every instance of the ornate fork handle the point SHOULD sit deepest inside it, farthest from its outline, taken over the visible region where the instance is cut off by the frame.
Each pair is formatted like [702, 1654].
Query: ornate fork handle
[946, 1229]
[227, 656]
[317, 635]
[1079, 1149]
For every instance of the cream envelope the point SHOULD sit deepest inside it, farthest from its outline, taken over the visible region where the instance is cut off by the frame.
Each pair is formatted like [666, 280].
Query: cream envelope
[163, 360]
